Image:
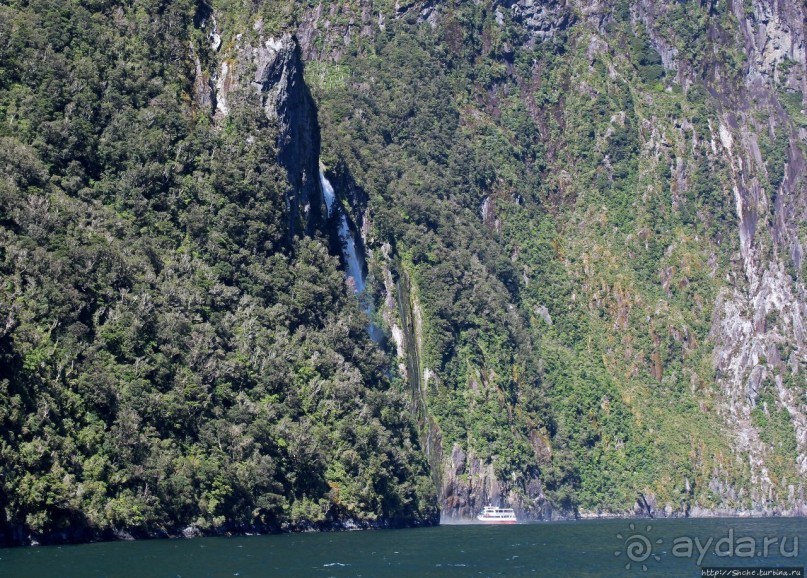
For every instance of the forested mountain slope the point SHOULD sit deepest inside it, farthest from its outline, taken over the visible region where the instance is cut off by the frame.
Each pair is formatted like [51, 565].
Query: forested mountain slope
[170, 356]
[595, 213]
[582, 228]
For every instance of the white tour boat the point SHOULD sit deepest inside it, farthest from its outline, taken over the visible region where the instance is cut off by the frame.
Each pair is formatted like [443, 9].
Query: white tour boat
[493, 515]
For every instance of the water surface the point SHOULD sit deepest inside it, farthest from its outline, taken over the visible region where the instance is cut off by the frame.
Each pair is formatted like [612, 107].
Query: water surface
[555, 550]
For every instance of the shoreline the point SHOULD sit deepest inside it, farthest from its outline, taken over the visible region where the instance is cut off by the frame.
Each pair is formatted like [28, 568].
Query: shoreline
[86, 536]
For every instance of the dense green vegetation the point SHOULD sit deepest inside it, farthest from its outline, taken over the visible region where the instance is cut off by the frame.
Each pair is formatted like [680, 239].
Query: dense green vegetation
[579, 313]
[168, 356]
[171, 356]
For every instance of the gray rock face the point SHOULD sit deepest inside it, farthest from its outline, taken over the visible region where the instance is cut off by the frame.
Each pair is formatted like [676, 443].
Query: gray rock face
[542, 20]
[764, 314]
[774, 37]
[285, 97]
[203, 89]
[468, 485]
[269, 70]
[647, 12]
[272, 69]
[464, 498]
[760, 315]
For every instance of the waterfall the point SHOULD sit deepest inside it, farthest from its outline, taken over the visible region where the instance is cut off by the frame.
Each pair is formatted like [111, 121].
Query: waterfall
[354, 272]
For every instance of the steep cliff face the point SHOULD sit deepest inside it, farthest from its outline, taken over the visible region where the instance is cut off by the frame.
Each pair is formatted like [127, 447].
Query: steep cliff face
[285, 96]
[271, 70]
[581, 224]
[758, 327]
[465, 481]
[665, 293]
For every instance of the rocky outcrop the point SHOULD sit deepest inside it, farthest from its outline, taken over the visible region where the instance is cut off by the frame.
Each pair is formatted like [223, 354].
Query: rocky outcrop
[541, 20]
[646, 12]
[326, 30]
[286, 98]
[774, 40]
[268, 72]
[203, 83]
[469, 484]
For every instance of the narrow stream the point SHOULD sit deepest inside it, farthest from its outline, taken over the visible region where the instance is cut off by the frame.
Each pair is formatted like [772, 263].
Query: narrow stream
[354, 269]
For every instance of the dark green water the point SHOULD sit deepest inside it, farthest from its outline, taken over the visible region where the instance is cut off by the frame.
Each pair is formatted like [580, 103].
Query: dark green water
[556, 550]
